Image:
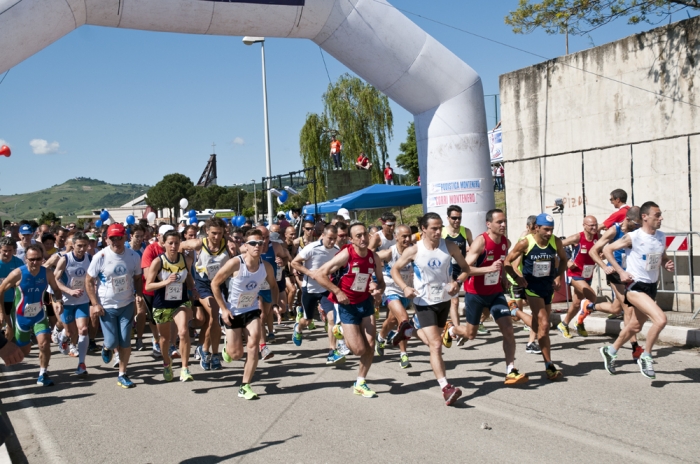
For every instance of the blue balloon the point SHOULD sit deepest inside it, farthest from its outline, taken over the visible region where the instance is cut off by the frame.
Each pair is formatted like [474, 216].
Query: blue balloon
[289, 215]
[282, 198]
[309, 217]
[104, 215]
[240, 220]
[192, 213]
[130, 220]
[193, 220]
[98, 223]
[225, 220]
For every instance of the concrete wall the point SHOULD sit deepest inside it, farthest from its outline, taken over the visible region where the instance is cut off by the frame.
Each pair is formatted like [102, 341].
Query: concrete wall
[622, 115]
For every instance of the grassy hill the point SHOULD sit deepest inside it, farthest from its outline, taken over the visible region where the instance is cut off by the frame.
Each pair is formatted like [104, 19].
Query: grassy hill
[76, 196]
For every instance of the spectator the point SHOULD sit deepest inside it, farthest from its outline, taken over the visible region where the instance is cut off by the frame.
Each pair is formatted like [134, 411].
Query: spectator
[363, 162]
[282, 221]
[388, 174]
[336, 148]
[498, 169]
[618, 198]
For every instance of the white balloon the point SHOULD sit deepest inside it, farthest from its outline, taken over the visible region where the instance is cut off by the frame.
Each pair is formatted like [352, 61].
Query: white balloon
[107, 222]
[184, 203]
[151, 216]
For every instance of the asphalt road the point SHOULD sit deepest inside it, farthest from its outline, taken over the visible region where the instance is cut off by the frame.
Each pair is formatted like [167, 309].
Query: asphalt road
[307, 412]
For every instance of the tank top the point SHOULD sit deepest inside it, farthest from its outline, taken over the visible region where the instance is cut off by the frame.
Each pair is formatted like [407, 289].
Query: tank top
[582, 258]
[385, 243]
[74, 277]
[644, 258]
[243, 288]
[354, 278]
[29, 294]
[460, 240]
[539, 263]
[207, 263]
[269, 256]
[489, 284]
[406, 274]
[620, 255]
[520, 267]
[432, 272]
[5, 269]
[175, 294]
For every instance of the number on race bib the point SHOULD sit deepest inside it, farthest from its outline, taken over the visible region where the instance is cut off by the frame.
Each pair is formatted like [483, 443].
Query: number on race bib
[278, 273]
[492, 278]
[436, 293]
[541, 268]
[173, 292]
[653, 261]
[32, 310]
[119, 285]
[246, 300]
[212, 269]
[360, 283]
[407, 278]
[588, 271]
[77, 283]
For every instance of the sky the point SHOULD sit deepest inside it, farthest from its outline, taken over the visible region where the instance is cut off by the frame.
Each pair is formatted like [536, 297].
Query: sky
[129, 106]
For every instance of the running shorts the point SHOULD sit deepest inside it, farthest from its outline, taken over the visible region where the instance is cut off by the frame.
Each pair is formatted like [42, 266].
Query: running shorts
[641, 287]
[474, 305]
[433, 315]
[240, 321]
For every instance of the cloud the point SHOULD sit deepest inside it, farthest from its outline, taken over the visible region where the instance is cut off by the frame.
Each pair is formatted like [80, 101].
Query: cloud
[238, 141]
[43, 147]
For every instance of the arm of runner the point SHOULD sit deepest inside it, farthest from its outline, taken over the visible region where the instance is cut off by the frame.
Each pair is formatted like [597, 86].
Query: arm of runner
[597, 250]
[624, 242]
[473, 254]
[271, 279]
[374, 242]
[384, 255]
[516, 254]
[91, 287]
[321, 275]
[189, 260]
[298, 265]
[470, 238]
[569, 241]
[381, 285]
[10, 281]
[194, 244]
[152, 272]
[563, 264]
[457, 255]
[227, 270]
[57, 294]
[668, 263]
[51, 262]
[405, 258]
[58, 272]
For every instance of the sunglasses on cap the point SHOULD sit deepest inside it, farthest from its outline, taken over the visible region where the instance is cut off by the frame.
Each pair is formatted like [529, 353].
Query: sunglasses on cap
[255, 243]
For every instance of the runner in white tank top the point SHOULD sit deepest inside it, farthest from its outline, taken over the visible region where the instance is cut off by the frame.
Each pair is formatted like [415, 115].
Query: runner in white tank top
[646, 256]
[381, 241]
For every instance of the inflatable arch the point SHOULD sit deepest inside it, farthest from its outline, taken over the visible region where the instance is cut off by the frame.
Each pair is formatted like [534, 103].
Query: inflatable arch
[370, 37]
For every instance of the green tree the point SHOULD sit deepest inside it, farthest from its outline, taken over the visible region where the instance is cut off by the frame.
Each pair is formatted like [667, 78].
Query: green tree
[408, 158]
[360, 116]
[167, 193]
[46, 218]
[579, 17]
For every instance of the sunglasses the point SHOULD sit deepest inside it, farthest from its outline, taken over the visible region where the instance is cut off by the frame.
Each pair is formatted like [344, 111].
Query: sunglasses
[308, 228]
[116, 238]
[456, 218]
[255, 243]
[35, 260]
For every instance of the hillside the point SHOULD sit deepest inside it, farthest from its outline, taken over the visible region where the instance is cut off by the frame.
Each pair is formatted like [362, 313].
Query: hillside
[76, 196]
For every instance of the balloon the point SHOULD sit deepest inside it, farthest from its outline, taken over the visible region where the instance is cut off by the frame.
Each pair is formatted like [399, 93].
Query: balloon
[225, 220]
[107, 222]
[193, 220]
[130, 220]
[289, 215]
[240, 220]
[309, 217]
[151, 216]
[98, 223]
[5, 151]
[192, 213]
[283, 197]
[104, 215]
[184, 203]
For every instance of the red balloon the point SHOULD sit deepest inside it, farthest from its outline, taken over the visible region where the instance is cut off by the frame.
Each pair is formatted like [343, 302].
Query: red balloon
[5, 151]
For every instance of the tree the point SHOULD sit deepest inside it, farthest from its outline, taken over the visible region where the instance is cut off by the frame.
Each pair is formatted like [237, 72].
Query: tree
[408, 158]
[167, 193]
[360, 116]
[579, 17]
[47, 218]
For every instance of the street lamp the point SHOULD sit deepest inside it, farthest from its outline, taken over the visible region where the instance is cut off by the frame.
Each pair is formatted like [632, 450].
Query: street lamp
[261, 40]
[238, 191]
[255, 200]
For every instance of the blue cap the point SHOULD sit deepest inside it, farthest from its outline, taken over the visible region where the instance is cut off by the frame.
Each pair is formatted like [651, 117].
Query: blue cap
[26, 229]
[544, 219]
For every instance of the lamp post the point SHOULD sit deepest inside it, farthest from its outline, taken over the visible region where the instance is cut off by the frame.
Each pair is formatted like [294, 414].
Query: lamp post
[238, 191]
[255, 200]
[261, 40]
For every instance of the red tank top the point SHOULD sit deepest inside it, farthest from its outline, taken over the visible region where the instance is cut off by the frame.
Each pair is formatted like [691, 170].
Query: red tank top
[582, 259]
[356, 276]
[489, 284]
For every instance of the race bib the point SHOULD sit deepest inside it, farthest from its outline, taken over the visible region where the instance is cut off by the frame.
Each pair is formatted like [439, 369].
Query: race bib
[407, 278]
[32, 310]
[212, 269]
[653, 261]
[360, 283]
[492, 278]
[77, 283]
[278, 273]
[436, 293]
[173, 292]
[265, 285]
[119, 285]
[246, 300]
[588, 271]
[541, 268]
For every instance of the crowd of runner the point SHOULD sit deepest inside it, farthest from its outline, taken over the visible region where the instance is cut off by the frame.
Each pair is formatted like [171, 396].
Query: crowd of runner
[196, 286]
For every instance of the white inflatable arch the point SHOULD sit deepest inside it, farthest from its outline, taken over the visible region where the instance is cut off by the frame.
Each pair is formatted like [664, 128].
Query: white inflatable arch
[370, 37]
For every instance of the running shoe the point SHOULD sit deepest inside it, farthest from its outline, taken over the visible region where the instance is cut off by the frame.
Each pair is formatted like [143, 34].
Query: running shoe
[300, 314]
[63, 347]
[376, 314]
[270, 337]
[205, 362]
[379, 347]
[450, 394]
[338, 331]
[516, 378]
[93, 347]
[646, 366]
[44, 380]
[619, 315]
[156, 350]
[533, 348]
[81, 371]
[363, 390]
[168, 373]
[581, 329]
[198, 353]
[405, 363]
[185, 375]
[404, 332]
[106, 355]
[461, 341]
[246, 392]
[266, 353]
[312, 325]
[54, 335]
[343, 348]
[553, 373]
[139, 344]
[296, 335]
[637, 352]
[124, 382]
[446, 337]
[215, 362]
[608, 360]
[526, 328]
[564, 329]
[73, 351]
[335, 358]
[390, 338]
[115, 361]
[415, 323]
[483, 330]
[174, 353]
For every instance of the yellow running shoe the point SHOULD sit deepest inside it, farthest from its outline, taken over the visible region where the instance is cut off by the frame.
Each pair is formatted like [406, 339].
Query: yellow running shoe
[363, 390]
[376, 313]
[338, 331]
[446, 337]
[516, 378]
[553, 373]
[168, 373]
[185, 375]
[581, 329]
[246, 392]
[564, 329]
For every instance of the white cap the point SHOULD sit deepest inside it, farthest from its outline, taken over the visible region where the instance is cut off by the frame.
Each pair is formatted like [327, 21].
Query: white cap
[165, 228]
[345, 213]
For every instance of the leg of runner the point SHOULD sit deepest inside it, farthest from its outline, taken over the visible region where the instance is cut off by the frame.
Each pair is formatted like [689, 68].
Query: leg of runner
[266, 314]
[540, 325]
[334, 356]
[125, 318]
[164, 331]
[92, 332]
[361, 339]
[182, 319]
[213, 334]
[140, 323]
[253, 331]
[44, 342]
[628, 314]
[405, 331]
[583, 296]
[83, 343]
[454, 310]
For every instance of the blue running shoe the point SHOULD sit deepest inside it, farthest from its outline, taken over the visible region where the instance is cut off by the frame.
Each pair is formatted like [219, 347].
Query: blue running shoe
[198, 353]
[124, 382]
[296, 337]
[335, 358]
[106, 355]
[44, 380]
[205, 362]
[215, 362]
[270, 337]
[390, 337]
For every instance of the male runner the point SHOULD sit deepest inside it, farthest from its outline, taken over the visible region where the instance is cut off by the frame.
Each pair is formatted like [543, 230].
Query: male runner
[343, 238]
[8, 263]
[26, 234]
[384, 239]
[239, 311]
[647, 253]
[30, 282]
[307, 236]
[540, 278]
[434, 288]
[353, 297]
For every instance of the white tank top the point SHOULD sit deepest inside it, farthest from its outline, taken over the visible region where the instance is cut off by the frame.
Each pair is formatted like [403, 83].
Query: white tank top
[432, 272]
[74, 277]
[406, 274]
[385, 242]
[644, 256]
[244, 287]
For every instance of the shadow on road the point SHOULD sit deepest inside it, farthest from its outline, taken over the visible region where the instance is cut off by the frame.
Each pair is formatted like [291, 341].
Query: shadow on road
[210, 459]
